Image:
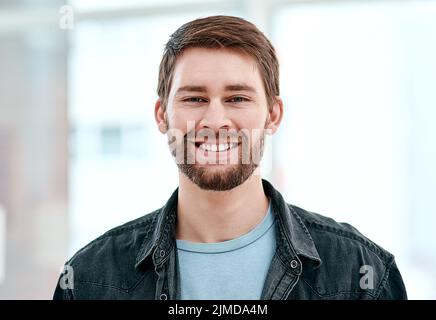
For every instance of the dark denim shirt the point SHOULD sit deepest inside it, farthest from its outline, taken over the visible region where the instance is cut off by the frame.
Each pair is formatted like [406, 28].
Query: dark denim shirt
[315, 258]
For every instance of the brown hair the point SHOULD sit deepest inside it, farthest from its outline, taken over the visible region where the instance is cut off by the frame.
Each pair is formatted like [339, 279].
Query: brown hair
[221, 32]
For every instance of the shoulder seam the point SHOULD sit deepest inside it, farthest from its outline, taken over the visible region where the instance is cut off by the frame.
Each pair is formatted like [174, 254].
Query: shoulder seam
[374, 248]
[148, 219]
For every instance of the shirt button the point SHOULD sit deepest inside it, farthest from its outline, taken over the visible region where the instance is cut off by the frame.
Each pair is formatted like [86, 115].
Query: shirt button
[163, 296]
[162, 253]
[294, 264]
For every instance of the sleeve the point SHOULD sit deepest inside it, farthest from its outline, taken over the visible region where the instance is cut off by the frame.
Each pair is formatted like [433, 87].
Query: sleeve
[393, 287]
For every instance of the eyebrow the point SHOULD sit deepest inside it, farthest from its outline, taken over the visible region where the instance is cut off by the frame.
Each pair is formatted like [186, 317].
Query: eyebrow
[239, 87]
[191, 89]
[232, 87]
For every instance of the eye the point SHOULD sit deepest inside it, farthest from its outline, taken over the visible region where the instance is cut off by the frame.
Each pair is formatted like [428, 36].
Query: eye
[194, 99]
[238, 99]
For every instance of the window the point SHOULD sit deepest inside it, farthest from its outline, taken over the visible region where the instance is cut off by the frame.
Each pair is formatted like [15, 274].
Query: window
[358, 142]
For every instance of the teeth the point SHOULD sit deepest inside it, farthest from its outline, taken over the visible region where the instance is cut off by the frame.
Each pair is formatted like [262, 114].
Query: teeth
[220, 147]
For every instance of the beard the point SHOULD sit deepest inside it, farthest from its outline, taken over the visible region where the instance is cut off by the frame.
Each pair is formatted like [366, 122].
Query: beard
[224, 177]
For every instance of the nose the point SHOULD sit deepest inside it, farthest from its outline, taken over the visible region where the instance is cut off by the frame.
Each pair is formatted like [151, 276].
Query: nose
[215, 117]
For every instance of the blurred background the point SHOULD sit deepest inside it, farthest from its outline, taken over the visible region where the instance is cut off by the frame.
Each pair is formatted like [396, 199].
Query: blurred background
[80, 152]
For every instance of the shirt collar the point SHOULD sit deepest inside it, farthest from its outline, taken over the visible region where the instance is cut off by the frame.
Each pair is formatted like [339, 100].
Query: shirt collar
[293, 236]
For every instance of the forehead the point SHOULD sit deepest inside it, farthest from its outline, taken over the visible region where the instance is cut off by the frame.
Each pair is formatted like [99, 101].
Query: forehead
[212, 67]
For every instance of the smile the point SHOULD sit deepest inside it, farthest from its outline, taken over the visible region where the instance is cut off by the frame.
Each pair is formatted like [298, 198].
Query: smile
[216, 147]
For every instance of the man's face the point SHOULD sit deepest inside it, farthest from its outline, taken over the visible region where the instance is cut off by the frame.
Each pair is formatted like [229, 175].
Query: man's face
[217, 102]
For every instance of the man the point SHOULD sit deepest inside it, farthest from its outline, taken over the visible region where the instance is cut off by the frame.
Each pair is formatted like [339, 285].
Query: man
[225, 233]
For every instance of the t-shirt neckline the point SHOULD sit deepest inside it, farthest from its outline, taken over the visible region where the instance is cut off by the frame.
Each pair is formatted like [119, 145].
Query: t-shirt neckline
[234, 244]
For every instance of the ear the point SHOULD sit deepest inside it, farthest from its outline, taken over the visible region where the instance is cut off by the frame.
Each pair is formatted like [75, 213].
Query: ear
[275, 116]
[160, 116]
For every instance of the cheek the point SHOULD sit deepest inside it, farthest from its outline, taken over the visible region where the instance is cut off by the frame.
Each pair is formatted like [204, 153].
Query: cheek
[184, 120]
[251, 122]
[249, 118]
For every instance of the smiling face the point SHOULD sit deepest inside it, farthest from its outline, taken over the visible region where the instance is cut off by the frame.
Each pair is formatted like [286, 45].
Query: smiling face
[217, 103]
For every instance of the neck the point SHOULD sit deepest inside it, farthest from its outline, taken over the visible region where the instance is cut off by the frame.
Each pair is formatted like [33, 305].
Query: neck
[215, 216]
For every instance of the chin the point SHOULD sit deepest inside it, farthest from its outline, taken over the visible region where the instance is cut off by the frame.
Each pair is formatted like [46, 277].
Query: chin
[218, 177]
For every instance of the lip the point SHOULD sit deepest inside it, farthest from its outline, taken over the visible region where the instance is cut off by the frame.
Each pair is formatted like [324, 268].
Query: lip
[216, 155]
[198, 143]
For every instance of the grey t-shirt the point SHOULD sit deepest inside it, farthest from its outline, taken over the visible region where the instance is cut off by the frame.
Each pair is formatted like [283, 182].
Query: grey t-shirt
[230, 270]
